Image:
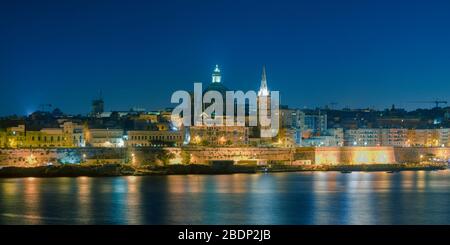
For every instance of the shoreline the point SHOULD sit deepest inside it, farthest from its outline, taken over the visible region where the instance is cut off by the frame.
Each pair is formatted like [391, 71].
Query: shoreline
[115, 170]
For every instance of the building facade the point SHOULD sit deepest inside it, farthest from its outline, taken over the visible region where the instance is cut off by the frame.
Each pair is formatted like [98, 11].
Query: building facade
[105, 138]
[219, 135]
[428, 137]
[375, 137]
[67, 135]
[142, 138]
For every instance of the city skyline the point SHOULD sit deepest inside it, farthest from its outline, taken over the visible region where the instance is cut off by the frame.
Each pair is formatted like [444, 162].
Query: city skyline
[261, 113]
[330, 106]
[315, 53]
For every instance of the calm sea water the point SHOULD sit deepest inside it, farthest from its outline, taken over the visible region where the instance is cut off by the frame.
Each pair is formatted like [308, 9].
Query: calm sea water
[281, 198]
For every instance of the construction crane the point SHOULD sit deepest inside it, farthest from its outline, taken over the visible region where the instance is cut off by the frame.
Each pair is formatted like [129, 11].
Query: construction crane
[436, 102]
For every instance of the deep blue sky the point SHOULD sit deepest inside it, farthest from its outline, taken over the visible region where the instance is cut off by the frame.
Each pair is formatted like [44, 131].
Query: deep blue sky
[357, 53]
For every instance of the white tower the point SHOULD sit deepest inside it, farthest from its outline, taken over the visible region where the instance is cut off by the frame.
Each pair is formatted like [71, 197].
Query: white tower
[216, 75]
[263, 90]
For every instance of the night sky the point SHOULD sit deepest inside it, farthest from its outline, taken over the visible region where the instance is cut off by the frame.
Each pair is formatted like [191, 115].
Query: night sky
[356, 53]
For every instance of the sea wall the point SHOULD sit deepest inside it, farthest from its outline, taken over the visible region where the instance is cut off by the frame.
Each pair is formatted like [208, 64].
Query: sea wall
[256, 155]
[47, 156]
[204, 155]
[300, 155]
[417, 154]
[354, 155]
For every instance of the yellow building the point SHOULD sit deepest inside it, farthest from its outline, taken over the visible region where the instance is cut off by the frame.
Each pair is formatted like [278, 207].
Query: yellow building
[15, 136]
[3, 139]
[428, 137]
[68, 135]
[47, 137]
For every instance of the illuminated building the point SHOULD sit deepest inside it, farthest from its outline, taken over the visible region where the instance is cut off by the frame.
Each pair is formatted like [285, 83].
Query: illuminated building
[216, 83]
[316, 123]
[15, 136]
[264, 93]
[48, 137]
[263, 89]
[290, 132]
[105, 138]
[428, 137]
[3, 139]
[151, 117]
[287, 137]
[393, 137]
[337, 134]
[375, 137]
[319, 141]
[264, 100]
[362, 137]
[68, 135]
[216, 77]
[142, 138]
[219, 135]
[334, 137]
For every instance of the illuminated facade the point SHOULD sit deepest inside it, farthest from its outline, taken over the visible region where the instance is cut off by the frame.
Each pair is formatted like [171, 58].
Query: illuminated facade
[216, 77]
[375, 137]
[393, 137]
[105, 138]
[3, 139]
[47, 137]
[428, 137]
[219, 135]
[315, 124]
[68, 135]
[263, 89]
[142, 138]
[14, 137]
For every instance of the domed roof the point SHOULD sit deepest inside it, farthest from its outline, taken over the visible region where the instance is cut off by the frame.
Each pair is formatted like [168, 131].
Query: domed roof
[216, 84]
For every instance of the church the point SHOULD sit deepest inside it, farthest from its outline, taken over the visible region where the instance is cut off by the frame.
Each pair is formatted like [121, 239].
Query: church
[228, 135]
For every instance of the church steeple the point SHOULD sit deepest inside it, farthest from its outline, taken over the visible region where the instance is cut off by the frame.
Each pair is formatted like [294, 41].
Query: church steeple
[263, 90]
[216, 75]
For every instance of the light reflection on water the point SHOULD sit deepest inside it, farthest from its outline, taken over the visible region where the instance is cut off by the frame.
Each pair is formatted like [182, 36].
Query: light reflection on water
[281, 198]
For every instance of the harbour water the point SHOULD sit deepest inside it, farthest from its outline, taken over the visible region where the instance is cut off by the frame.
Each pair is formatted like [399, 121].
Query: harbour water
[409, 197]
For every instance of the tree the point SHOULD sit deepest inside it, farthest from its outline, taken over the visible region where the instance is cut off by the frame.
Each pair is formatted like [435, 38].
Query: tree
[185, 157]
[164, 156]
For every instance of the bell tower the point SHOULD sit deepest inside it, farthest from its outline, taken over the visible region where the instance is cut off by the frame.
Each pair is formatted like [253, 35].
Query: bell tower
[216, 75]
